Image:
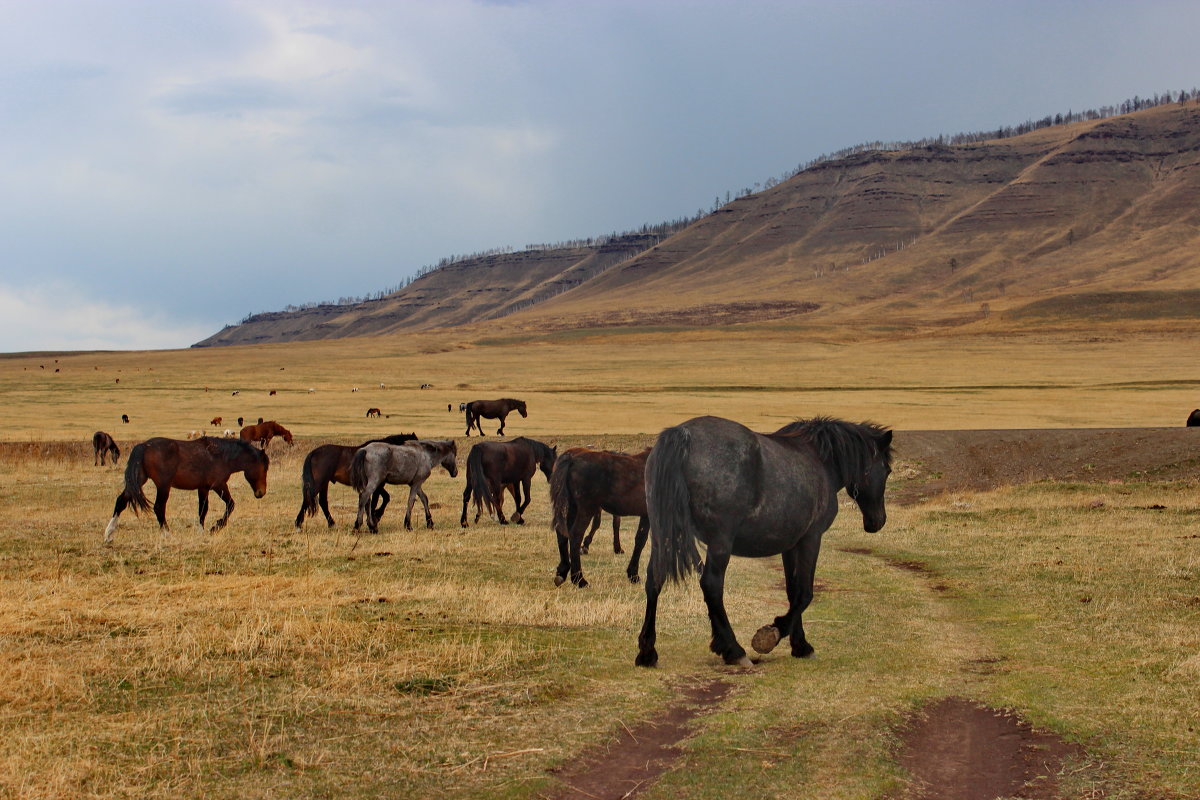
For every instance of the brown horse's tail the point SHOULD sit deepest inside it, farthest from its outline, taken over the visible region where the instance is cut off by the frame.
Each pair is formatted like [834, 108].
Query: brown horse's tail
[467, 411]
[308, 488]
[674, 555]
[561, 501]
[477, 483]
[135, 478]
[358, 470]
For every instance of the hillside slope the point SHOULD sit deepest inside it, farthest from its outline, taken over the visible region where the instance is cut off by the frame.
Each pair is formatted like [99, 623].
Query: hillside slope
[1090, 213]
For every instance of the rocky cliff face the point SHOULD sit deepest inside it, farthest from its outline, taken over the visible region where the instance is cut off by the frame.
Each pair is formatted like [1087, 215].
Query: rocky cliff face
[1102, 206]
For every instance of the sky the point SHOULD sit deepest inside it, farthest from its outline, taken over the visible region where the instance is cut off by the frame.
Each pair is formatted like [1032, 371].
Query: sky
[170, 166]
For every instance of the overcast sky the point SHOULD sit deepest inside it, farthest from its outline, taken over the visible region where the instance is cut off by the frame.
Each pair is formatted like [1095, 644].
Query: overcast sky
[169, 166]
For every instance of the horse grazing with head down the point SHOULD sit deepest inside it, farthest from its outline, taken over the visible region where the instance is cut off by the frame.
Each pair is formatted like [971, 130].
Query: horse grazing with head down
[492, 409]
[330, 463]
[377, 463]
[493, 467]
[749, 494]
[586, 482]
[105, 446]
[264, 432]
[203, 464]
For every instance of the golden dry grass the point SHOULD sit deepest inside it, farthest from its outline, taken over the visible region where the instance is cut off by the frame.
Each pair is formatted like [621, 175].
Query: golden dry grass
[263, 662]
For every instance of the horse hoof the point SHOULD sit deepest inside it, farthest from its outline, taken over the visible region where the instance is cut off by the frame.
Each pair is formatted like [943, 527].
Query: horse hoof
[765, 639]
[581, 583]
[743, 662]
[583, 551]
[804, 651]
[559, 580]
[635, 579]
[647, 659]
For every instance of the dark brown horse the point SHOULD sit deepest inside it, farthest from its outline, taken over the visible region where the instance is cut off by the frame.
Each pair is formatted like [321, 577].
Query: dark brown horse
[373, 412]
[1193, 419]
[586, 482]
[264, 432]
[493, 467]
[492, 409]
[330, 463]
[203, 464]
[104, 446]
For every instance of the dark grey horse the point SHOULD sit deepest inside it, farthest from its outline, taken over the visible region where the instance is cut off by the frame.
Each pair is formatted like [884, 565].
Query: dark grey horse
[377, 463]
[749, 494]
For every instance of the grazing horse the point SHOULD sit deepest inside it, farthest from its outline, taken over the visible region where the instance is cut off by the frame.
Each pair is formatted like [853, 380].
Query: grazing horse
[492, 409]
[264, 432]
[379, 463]
[1193, 420]
[204, 464]
[124, 417]
[215, 422]
[493, 467]
[330, 463]
[586, 482]
[104, 446]
[749, 494]
[373, 412]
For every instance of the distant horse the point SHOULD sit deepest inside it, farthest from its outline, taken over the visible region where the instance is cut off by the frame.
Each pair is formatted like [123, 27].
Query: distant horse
[584, 483]
[750, 494]
[272, 393]
[125, 418]
[1193, 420]
[373, 412]
[493, 467]
[264, 432]
[204, 464]
[215, 422]
[379, 463]
[241, 422]
[104, 446]
[330, 463]
[492, 409]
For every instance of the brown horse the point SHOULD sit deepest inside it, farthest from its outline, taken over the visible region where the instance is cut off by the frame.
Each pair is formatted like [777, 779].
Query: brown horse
[584, 483]
[330, 463]
[492, 409]
[616, 526]
[493, 467]
[264, 432]
[203, 464]
[373, 412]
[104, 446]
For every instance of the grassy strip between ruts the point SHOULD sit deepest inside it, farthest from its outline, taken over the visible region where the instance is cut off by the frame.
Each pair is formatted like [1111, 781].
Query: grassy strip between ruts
[263, 662]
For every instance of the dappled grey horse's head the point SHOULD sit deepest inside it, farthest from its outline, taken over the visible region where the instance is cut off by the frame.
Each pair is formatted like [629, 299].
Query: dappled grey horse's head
[869, 478]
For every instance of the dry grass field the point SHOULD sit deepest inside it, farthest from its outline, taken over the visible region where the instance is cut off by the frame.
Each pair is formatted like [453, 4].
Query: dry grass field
[269, 662]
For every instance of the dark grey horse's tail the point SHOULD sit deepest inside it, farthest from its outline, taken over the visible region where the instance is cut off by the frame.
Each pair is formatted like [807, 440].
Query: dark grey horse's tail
[477, 483]
[135, 477]
[358, 470]
[308, 487]
[674, 555]
[561, 500]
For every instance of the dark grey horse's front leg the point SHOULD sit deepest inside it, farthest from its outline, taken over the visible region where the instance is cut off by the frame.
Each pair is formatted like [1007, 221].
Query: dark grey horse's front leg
[639, 542]
[712, 583]
[799, 569]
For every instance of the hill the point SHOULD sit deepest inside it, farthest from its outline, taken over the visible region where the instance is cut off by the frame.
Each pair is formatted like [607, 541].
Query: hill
[1063, 220]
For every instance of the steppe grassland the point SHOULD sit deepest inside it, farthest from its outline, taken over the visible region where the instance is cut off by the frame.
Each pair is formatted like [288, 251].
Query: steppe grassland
[262, 662]
[611, 382]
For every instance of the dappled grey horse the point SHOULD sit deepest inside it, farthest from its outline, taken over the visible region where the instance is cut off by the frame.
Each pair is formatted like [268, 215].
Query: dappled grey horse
[378, 463]
[750, 494]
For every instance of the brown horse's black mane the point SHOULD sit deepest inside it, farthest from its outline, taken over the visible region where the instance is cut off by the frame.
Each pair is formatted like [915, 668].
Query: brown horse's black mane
[232, 448]
[540, 449]
[845, 445]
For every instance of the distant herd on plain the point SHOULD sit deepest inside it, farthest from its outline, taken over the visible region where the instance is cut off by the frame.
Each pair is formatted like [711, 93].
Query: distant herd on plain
[708, 479]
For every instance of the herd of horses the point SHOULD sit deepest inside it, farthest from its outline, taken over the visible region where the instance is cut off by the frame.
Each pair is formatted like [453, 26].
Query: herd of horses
[708, 480]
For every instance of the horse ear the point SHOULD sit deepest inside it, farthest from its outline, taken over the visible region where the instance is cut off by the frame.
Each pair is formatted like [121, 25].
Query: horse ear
[886, 439]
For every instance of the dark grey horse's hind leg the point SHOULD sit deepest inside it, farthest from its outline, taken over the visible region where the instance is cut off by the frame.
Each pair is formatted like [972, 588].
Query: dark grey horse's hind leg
[712, 583]
[647, 655]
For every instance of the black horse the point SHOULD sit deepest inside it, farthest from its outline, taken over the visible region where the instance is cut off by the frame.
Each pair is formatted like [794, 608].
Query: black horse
[493, 467]
[104, 446]
[203, 464]
[330, 463]
[749, 494]
[492, 409]
[1193, 420]
[584, 483]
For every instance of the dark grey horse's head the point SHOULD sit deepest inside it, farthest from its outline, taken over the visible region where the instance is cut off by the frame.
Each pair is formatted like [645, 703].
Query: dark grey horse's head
[867, 487]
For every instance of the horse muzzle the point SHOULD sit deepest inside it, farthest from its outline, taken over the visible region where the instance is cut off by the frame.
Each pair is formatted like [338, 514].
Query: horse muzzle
[260, 494]
[874, 522]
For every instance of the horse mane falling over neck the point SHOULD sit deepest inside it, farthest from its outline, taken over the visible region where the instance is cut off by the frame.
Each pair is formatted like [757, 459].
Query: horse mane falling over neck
[846, 447]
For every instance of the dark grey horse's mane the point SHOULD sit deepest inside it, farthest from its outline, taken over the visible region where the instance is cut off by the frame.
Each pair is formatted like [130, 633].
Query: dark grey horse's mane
[848, 446]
